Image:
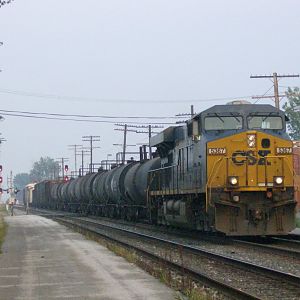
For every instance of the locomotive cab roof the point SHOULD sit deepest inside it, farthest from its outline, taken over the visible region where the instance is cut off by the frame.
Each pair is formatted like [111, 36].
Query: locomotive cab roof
[241, 109]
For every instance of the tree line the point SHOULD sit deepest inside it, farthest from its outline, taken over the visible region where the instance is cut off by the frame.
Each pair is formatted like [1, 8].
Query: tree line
[45, 168]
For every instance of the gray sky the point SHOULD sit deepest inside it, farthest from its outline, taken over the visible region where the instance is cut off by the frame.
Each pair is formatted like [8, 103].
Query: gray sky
[132, 57]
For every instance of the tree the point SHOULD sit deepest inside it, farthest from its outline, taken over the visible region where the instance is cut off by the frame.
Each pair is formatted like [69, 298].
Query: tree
[45, 168]
[292, 110]
[21, 179]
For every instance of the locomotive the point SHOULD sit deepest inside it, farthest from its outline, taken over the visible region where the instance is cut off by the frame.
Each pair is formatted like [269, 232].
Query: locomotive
[229, 169]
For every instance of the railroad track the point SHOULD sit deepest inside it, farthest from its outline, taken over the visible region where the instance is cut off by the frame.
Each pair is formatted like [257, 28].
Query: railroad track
[287, 246]
[289, 284]
[279, 245]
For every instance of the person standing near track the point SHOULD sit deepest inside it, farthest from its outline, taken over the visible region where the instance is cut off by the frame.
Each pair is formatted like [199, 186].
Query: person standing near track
[11, 204]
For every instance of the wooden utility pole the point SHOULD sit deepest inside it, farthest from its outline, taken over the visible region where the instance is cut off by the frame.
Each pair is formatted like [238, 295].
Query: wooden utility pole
[149, 132]
[75, 147]
[82, 153]
[124, 144]
[275, 77]
[91, 139]
[191, 114]
[62, 160]
[125, 130]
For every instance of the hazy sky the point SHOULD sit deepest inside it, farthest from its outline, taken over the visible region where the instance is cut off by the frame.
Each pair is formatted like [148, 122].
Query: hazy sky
[132, 58]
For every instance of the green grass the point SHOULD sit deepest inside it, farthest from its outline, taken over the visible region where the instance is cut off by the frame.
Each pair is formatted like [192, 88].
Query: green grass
[3, 225]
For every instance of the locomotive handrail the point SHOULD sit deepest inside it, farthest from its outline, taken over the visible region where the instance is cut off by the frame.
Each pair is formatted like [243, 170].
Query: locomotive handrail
[207, 184]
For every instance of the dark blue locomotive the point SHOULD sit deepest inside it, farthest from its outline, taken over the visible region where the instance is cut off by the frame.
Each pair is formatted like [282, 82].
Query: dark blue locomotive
[228, 169]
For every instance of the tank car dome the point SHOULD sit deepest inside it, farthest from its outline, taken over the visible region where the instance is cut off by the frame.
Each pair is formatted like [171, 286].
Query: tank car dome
[236, 102]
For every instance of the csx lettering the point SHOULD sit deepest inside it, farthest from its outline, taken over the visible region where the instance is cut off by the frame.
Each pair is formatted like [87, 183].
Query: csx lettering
[240, 157]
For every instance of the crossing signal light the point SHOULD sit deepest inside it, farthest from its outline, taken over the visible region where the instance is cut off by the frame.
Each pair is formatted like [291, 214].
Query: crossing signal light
[0, 168]
[66, 178]
[66, 168]
[1, 179]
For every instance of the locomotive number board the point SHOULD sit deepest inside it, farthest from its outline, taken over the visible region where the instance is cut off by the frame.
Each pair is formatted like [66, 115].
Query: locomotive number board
[216, 151]
[284, 150]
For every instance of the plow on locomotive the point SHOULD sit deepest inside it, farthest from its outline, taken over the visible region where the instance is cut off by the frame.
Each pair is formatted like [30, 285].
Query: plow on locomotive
[229, 169]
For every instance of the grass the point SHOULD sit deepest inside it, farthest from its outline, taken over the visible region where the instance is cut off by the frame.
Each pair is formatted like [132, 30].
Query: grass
[3, 225]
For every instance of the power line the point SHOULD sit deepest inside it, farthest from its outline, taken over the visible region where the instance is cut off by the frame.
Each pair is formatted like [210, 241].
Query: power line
[77, 120]
[84, 116]
[73, 98]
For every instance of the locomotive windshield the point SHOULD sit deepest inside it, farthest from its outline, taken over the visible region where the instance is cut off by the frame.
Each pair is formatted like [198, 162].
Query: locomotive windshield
[219, 122]
[265, 122]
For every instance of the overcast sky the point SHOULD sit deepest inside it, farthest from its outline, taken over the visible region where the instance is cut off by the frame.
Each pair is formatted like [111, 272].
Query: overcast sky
[132, 58]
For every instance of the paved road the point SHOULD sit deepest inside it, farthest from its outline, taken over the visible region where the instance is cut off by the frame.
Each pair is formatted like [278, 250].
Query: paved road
[44, 260]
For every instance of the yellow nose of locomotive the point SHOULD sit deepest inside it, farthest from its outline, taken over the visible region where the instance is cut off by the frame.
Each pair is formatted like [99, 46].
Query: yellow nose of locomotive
[250, 183]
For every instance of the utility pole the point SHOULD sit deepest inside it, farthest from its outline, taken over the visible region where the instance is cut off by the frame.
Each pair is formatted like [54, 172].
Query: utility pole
[192, 111]
[75, 147]
[124, 144]
[149, 132]
[91, 139]
[82, 153]
[274, 78]
[125, 130]
[62, 160]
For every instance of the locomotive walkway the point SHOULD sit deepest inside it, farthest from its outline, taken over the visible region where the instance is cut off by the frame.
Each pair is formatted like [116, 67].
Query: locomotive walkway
[42, 259]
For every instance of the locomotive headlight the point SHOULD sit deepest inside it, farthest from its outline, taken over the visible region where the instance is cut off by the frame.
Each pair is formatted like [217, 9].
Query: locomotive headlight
[233, 180]
[278, 180]
[251, 139]
[236, 198]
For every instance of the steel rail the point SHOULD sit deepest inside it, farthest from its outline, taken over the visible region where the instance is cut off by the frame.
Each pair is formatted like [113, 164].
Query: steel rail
[289, 278]
[282, 250]
[196, 275]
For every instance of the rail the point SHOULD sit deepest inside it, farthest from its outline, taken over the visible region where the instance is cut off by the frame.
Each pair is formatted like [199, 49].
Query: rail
[291, 282]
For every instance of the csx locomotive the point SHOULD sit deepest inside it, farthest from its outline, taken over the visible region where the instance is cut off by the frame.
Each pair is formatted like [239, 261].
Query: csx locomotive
[229, 169]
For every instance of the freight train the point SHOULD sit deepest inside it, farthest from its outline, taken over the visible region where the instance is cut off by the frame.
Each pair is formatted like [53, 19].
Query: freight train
[229, 169]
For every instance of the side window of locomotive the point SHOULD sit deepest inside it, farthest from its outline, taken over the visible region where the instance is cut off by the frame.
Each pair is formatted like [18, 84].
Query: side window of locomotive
[265, 122]
[223, 123]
